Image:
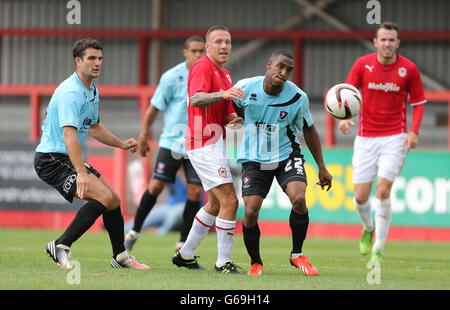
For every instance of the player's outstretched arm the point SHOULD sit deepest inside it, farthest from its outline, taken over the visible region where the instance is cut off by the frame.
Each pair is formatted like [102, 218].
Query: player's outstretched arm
[312, 139]
[206, 99]
[101, 134]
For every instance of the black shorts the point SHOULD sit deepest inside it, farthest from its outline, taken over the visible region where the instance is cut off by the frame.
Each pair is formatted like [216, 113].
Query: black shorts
[257, 177]
[57, 170]
[166, 167]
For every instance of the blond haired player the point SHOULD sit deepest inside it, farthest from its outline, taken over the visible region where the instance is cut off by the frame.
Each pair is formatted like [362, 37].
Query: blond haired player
[210, 108]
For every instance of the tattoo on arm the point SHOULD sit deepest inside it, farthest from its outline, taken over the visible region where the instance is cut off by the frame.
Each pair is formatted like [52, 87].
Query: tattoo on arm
[205, 99]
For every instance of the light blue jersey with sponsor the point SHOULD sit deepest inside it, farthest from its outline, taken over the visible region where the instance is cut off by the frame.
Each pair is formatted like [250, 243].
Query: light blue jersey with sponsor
[72, 104]
[171, 97]
[271, 122]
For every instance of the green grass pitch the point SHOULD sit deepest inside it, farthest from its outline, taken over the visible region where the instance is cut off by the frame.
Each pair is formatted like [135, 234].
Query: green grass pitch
[408, 265]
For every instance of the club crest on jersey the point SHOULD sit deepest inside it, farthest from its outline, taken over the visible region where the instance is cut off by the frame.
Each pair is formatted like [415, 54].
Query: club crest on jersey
[222, 172]
[402, 72]
[283, 114]
[229, 78]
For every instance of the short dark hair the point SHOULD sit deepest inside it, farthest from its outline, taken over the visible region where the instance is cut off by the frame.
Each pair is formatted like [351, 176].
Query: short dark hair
[388, 26]
[281, 52]
[193, 39]
[81, 45]
[214, 28]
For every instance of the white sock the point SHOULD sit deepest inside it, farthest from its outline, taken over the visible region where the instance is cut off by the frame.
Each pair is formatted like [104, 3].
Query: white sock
[383, 215]
[365, 214]
[122, 257]
[225, 239]
[296, 255]
[132, 234]
[200, 228]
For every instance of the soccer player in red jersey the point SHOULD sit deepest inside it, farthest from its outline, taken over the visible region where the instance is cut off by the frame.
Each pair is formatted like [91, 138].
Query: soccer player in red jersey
[385, 79]
[209, 109]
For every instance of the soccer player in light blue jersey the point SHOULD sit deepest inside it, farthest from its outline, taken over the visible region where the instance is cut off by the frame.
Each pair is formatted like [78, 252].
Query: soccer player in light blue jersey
[273, 109]
[170, 97]
[71, 115]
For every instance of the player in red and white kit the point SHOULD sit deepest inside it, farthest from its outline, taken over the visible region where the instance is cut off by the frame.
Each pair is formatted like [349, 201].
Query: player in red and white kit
[385, 80]
[210, 108]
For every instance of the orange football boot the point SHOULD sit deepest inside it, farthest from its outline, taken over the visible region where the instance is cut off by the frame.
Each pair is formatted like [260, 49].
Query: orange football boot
[303, 263]
[255, 270]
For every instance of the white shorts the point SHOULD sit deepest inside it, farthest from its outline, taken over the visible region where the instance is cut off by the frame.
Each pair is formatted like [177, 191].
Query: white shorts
[378, 156]
[210, 163]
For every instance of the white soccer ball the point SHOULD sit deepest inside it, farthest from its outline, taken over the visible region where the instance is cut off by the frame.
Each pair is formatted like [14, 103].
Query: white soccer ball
[343, 101]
